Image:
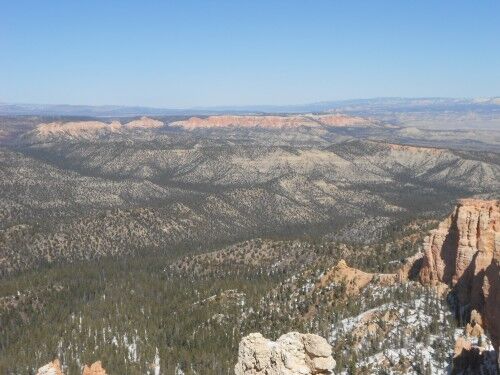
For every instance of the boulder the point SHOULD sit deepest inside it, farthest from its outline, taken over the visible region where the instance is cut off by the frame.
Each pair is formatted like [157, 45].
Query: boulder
[94, 369]
[292, 354]
[51, 368]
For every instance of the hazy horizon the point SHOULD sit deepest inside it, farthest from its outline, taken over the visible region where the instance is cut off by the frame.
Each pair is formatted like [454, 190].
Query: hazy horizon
[476, 100]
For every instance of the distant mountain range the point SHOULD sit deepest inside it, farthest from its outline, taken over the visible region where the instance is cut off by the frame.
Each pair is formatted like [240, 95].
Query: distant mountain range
[359, 106]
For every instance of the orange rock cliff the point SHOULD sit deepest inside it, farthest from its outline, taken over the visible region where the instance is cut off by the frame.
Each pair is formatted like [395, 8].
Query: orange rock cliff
[464, 253]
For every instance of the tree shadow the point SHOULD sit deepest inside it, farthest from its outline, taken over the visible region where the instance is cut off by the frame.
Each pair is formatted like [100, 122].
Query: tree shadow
[474, 361]
[492, 302]
[415, 268]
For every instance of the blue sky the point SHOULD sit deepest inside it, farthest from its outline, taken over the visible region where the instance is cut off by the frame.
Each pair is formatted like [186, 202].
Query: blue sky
[205, 53]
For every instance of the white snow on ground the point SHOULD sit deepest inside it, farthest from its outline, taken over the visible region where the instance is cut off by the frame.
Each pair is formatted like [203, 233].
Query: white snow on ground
[156, 363]
[409, 331]
[399, 326]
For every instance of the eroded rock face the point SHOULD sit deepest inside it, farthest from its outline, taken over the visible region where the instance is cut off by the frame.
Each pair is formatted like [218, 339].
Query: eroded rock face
[51, 368]
[464, 253]
[292, 354]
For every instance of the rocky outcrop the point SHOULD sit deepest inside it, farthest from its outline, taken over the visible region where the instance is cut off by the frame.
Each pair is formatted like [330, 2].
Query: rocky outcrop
[411, 267]
[354, 279]
[54, 368]
[292, 354]
[475, 325]
[51, 368]
[464, 253]
[273, 122]
[94, 369]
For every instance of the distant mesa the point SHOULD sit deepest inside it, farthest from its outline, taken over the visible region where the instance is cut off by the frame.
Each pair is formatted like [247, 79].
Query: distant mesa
[76, 129]
[494, 101]
[91, 129]
[274, 122]
[144, 123]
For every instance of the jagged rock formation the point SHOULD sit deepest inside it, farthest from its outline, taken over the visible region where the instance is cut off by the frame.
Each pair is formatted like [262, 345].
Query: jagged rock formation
[464, 253]
[293, 353]
[273, 122]
[54, 368]
[51, 368]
